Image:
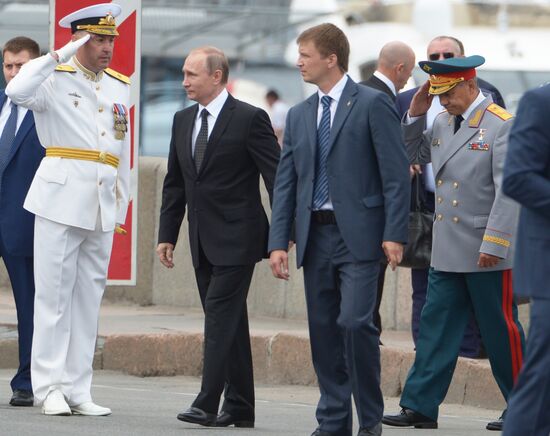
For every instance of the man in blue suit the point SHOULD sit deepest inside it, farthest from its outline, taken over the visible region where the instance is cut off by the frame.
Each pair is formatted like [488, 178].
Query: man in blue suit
[343, 179]
[527, 180]
[20, 155]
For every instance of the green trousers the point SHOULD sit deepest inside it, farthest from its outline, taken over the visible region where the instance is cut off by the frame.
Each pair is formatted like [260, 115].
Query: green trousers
[450, 299]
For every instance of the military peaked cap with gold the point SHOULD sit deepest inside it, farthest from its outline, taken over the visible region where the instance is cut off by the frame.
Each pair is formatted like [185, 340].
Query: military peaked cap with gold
[99, 19]
[447, 73]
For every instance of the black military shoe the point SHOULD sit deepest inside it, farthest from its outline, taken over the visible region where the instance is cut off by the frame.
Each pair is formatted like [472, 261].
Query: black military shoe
[409, 418]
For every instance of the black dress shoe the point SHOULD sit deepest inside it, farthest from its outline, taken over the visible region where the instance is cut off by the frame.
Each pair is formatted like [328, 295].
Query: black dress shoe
[194, 415]
[319, 432]
[22, 398]
[496, 425]
[225, 420]
[372, 431]
[409, 418]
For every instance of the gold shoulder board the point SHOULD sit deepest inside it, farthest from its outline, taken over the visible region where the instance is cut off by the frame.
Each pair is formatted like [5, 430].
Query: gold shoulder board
[117, 75]
[65, 68]
[502, 113]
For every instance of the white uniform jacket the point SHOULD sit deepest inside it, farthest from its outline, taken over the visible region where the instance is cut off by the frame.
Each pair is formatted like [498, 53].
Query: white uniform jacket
[73, 108]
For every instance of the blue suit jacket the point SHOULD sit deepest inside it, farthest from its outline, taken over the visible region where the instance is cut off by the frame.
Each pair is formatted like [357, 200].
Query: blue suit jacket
[16, 224]
[367, 169]
[527, 180]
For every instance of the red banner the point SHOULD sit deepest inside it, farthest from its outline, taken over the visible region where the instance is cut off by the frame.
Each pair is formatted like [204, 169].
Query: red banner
[126, 60]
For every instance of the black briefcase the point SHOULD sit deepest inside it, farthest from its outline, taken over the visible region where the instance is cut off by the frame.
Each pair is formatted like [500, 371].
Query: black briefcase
[418, 251]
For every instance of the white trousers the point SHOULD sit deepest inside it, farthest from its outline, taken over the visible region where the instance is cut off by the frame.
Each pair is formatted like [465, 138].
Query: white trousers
[70, 273]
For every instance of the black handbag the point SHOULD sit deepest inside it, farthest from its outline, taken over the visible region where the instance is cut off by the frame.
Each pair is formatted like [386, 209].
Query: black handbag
[418, 251]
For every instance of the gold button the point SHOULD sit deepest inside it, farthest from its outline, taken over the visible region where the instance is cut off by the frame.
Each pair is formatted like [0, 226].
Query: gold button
[455, 185]
[455, 219]
[439, 200]
[439, 182]
[103, 133]
[100, 109]
[439, 217]
[102, 156]
[455, 203]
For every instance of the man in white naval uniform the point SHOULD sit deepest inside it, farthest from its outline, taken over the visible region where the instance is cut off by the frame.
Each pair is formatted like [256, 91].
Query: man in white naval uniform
[79, 195]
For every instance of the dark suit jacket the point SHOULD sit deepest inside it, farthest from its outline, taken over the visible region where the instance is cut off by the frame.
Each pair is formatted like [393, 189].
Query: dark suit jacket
[404, 98]
[527, 180]
[225, 212]
[17, 224]
[367, 170]
[376, 83]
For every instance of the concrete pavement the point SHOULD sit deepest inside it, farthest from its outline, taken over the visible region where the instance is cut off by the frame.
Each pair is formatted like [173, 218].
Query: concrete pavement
[148, 407]
[167, 341]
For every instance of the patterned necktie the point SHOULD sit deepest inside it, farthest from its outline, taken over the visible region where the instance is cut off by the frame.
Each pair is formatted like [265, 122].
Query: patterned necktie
[202, 140]
[320, 187]
[8, 135]
[458, 122]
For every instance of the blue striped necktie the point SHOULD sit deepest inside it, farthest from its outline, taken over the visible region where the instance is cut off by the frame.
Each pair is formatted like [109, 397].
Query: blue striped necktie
[7, 138]
[320, 186]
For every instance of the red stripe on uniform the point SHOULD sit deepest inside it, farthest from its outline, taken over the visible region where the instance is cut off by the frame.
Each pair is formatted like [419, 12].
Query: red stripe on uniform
[513, 331]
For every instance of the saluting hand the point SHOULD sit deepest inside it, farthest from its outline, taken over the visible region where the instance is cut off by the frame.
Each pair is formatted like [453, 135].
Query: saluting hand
[165, 252]
[421, 101]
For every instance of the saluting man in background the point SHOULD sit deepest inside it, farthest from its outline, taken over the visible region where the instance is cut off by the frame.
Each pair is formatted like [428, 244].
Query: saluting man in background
[79, 195]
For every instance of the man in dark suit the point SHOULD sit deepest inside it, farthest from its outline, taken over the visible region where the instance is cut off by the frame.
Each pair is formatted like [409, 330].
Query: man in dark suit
[343, 178]
[393, 70]
[527, 180]
[441, 47]
[20, 155]
[394, 67]
[219, 148]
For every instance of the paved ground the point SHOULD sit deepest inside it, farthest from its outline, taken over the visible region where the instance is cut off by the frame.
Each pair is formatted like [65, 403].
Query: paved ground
[148, 407]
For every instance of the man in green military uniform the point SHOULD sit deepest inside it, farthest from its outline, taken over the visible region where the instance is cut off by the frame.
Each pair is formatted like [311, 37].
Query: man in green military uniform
[473, 238]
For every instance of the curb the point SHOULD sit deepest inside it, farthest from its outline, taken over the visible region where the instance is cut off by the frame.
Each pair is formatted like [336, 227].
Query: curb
[278, 359]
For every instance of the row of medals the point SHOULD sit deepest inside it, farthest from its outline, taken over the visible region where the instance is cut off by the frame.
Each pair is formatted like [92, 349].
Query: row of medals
[121, 126]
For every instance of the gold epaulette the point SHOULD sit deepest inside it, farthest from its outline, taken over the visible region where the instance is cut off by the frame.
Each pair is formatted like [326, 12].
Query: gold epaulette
[65, 68]
[502, 113]
[117, 75]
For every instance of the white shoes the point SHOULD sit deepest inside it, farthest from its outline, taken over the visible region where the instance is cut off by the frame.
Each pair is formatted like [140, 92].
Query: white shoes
[90, 409]
[55, 404]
